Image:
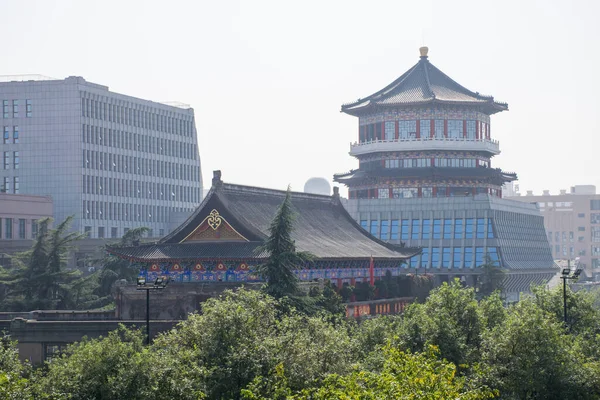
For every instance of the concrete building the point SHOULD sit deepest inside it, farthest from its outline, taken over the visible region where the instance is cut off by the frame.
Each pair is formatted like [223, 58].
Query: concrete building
[18, 221]
[572, 223]
[113, 161]
[425, 178]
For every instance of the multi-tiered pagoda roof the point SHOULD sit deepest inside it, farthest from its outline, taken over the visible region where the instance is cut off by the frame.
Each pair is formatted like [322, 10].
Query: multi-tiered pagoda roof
[423, 84]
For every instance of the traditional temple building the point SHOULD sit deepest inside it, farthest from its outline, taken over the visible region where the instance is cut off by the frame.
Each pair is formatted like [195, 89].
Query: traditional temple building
[222, 239]
[425, 178]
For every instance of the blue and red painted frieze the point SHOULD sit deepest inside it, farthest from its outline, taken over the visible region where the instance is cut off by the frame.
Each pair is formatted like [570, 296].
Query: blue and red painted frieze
[213, 271]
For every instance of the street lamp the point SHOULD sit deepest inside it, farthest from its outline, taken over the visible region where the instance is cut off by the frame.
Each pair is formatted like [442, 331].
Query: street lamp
[565, 275]
[159, 283]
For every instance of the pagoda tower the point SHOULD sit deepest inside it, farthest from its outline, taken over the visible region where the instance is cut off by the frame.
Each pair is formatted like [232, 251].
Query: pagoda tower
[425, 179]
[424, 135]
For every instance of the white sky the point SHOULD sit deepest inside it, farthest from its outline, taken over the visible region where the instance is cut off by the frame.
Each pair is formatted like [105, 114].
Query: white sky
[267, 78]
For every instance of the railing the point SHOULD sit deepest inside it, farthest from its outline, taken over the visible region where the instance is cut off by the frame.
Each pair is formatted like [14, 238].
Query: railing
[425, 143]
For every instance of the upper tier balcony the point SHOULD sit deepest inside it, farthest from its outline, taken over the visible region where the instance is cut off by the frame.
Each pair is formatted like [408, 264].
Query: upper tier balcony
[423, 144]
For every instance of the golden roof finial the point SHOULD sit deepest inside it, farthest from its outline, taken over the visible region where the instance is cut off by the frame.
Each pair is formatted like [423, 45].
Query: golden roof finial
[424, 50]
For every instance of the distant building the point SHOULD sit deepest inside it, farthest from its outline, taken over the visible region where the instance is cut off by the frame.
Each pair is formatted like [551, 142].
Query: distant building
[113, 161]
[425, 178]
[19, 216]
[317, 186]
[572, 223]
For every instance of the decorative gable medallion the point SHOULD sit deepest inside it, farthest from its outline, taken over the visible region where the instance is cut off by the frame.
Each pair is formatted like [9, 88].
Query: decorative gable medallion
[214, 220]
[214, 228]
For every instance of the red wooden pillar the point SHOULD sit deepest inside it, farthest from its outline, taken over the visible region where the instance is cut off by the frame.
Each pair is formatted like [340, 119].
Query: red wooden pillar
[464, 128]
[445, 128]
[434, 191]
[382, 131]
[477, 130]
[418, 129]
[420, 192]
[397, 129]
[340, 284]
[432, 128]
[391, 195]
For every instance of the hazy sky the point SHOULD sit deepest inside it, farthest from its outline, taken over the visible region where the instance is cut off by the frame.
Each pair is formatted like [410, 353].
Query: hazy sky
[267, 78]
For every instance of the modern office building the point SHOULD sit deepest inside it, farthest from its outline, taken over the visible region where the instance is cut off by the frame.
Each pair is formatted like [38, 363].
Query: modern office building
[572, 222]
[113, 161]
[425, 178]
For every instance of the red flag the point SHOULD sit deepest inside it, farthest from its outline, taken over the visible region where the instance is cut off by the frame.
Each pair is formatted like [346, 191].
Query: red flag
[372, 272]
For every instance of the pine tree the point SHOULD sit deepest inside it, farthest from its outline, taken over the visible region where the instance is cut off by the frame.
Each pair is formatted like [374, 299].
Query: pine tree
[278, 270]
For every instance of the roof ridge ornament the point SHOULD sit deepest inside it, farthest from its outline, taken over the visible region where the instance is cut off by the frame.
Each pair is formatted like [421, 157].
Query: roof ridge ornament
[424, 50]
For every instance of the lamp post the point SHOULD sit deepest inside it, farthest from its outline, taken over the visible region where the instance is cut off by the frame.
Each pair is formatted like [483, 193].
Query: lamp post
[565, 275]
[159, 283]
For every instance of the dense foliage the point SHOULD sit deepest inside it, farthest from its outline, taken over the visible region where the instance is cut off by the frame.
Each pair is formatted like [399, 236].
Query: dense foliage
[243, 346]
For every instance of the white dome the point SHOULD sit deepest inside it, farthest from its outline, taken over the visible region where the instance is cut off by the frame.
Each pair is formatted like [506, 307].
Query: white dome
[317, 186]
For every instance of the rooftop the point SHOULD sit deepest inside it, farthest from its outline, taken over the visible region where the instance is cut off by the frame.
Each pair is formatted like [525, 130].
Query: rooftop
[424, 84]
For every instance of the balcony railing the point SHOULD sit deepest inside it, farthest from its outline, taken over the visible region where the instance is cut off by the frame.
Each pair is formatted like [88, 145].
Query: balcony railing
[426, 143]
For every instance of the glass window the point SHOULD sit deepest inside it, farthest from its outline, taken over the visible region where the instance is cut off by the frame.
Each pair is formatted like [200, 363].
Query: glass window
[595, 205]
[16, 185]
[15, 134]
[493, 253]
[8, 228]
[34, 228]
[113, 232]
[390, 130]
[427, 191]
[468, 257]
[7, 160]
[446, 254]
[414, 261]
[407, 129]
[383, 193]
[364, 224]
[549, 236]
[455, 128]
[15, 108]
[458, 229]
[4, 108]
[571, 236]
[439, 128]
[490, 232]
[437, 228]
[416, 229]
[425, 258]
[556, 236]
[435, 257]
[6, 135]
[374, 228]
[478, 256]
[28, 108]
[404, 231]
[394, 235]
[425, 127]
[456, 259]
[581, 215]
[16, 159]
[447, 229]
[471, 130]
[21, 228]
[480, 228]
[469, 228]
[385, 229]
[440, 191]
[426, 228]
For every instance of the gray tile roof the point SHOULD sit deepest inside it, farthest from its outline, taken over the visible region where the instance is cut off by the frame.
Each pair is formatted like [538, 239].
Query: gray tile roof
[322, 227]
[422, 84]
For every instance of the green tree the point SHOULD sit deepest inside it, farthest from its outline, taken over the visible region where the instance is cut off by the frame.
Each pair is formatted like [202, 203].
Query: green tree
[404, 376]
[449, 319]
[491, 277]
[278, 270]
[14, 384]
[118, 366]
[39, 278]
[115, 268]
[530, 356]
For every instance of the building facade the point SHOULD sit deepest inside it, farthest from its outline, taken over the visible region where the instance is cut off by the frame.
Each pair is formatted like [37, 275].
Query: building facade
[113, 161]
[572, 223]
[425, 178]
